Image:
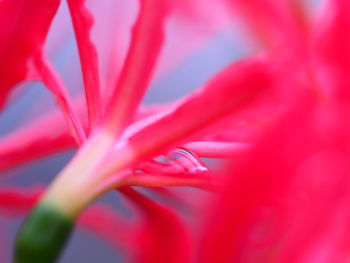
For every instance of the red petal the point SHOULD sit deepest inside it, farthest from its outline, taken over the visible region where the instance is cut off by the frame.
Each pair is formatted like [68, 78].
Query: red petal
[16, 201]
[146, 43]
[23, 29]
[298, 178]
[331, 48]
[46, 136]
[162, 238]
[55, 85]
[218, 149]
[228, 92]
[104, 222]
[274, 22]
[83, 21]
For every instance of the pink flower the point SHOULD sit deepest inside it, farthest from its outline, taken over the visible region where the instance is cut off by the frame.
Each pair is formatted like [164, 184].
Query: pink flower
[276, 118]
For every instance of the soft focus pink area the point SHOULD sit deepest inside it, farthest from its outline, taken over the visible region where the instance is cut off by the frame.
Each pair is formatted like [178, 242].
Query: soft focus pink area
[22, 39]
[266, 136]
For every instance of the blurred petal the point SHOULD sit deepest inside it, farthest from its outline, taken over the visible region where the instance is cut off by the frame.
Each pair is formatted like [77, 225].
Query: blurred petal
[47, 136]
[55, 85]
[226, 93]
[274, 22]
[82, 22]
[162, 237]
[24, 26]
[332, 50]
[148, 34]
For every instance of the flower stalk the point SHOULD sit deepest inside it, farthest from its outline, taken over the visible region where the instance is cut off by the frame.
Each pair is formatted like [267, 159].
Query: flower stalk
[101, 163]
[43, 236]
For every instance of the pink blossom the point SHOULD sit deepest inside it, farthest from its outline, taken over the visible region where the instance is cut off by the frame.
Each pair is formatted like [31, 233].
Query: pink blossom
[274, 123]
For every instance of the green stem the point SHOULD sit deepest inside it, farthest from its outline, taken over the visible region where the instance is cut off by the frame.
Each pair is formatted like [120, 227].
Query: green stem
[46, 230]
[43, 235]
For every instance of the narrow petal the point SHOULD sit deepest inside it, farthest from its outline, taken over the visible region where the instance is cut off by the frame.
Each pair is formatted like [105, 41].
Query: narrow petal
[107, 224]
[146, 43]
[55, 85]
[16, 201]
[162, 237]
[207, 181]
[228, 92]
[46, 136]
[82, 22]
[218, 149]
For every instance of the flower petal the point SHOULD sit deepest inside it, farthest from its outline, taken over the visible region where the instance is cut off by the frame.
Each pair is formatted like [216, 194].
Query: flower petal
[146, 43]
[226, 93]
[273, 22]
[161, 235]
[55, 85]
[82, 22]
[23, 30]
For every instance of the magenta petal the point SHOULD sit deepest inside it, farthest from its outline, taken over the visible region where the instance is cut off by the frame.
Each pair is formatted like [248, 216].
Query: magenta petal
[273, 22]
[43, 137]
[16, 201]
[226, 93]
[82, 22]
[107, 224]
[146, 43]
[218, 149]
[55, 85]
[162, 237]
[331, 50]
[23, 29]
[290, 194]
[47, 136]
